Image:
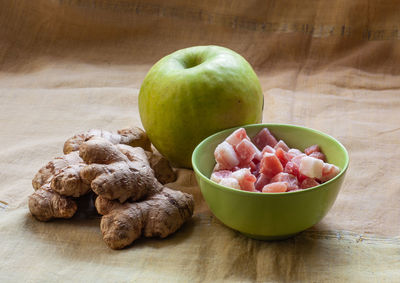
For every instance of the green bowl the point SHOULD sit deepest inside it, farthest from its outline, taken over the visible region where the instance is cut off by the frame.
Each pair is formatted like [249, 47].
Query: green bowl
[270, 216]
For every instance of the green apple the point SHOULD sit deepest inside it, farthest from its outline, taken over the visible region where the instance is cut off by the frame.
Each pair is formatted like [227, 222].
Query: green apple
[193, 93]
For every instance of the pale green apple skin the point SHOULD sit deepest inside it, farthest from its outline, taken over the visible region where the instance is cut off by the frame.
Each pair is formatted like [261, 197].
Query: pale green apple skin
[193, 93]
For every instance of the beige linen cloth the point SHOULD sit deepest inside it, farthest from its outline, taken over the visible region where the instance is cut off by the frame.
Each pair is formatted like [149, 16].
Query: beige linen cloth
[67, 66]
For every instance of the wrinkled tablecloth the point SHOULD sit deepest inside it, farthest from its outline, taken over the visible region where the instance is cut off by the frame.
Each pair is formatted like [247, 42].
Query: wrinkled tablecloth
[67, 66]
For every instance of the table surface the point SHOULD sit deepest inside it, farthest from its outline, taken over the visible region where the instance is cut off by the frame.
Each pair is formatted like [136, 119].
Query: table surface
[70, 66]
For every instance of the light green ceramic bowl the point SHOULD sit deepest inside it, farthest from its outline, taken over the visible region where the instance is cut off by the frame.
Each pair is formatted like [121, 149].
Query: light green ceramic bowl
[269, 216]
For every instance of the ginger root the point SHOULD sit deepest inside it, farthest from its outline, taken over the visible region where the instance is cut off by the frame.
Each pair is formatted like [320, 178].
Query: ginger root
[112, 174]
[46, 202]
[134, 137]
[130, 198]
[122, 172]
[162, 169]
[159, 215]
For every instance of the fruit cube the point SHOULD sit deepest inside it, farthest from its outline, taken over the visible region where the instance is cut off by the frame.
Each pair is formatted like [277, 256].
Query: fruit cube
[281, 144]
[217, 176]
[262, 180]
[246, 151]
[315, 151]
[270, 165]
[311, 167]
[282, 155]
[264, 138]
[290, 180]
[278, 187]
[293, 152]
[245, 178]
[318, 155]
[237, 136]
[226, 156]
[268, 149]
[328, 172]
[230, 182]
[311, 149]
[308, 183]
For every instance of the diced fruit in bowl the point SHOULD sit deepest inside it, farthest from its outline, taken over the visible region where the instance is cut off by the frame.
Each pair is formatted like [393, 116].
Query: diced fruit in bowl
[263, 164]
[282, 205]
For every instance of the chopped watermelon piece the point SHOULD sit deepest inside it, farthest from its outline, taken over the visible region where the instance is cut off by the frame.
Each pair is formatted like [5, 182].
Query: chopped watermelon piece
[278, 187]
[281, 144]
[245, 178]
[264, 138]
[237, 136]
[308, 183]
[226, 156]
[289, 179]
[270, 165]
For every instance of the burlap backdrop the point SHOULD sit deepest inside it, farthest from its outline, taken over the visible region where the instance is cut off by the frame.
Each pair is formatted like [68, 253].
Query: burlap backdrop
[69, 65]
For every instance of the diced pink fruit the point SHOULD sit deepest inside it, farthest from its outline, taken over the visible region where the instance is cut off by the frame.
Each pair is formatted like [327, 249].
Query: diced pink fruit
[289, 179]
[262, 180]
[281, 144]
[230, 182]
[297, 159]
[268, 149]
[270, 165]
[237, 136]
[253, 167]
[293, 152]
[282, 155]
[278, 187]
[217, 176]
[246, 179]
[311, 167]
[329, 171]
[318, 155]
[293, 168]
[308, 183]
[311, 149]
[315, 151]
[256, 170]
[226, 156]
[263, 138]
[246, 151]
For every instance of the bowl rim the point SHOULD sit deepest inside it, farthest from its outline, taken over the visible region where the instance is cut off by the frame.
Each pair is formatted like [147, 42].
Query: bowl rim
[247, 193]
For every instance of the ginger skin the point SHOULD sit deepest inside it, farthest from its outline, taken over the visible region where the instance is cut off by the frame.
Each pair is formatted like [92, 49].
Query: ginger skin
[46, 173]
[45, 204]
[134, 137]
[122, 172]
[53, 183]
[162, 169]
[112, 175]
[157, 216]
